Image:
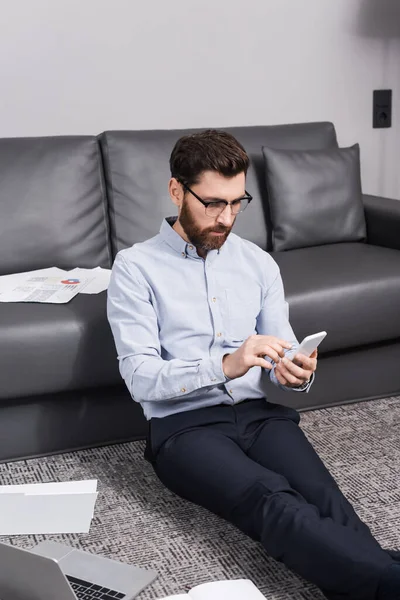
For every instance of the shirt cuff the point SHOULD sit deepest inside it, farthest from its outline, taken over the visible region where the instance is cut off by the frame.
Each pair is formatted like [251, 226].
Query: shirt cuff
[226, 378]
[286, 388]
[303, 388]
[213, 373]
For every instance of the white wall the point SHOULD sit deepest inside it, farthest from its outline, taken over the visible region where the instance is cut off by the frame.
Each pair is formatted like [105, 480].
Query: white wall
[83, 66]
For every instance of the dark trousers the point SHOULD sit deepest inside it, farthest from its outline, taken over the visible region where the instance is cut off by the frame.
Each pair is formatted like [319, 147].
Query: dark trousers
[252, 465]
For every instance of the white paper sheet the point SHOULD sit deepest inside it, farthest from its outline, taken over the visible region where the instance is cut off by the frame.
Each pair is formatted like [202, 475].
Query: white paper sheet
[6, 281]
[177, 597]
[65, 507]
[87, 486]
[100, 279]
[235, 589]
[53, 285]
[48, 286]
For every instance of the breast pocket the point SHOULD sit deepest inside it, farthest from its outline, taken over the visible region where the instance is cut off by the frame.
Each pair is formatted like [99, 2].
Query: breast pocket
[241, 311]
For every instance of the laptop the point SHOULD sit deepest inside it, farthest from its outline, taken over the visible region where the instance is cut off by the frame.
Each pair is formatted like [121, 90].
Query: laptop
[51, 570]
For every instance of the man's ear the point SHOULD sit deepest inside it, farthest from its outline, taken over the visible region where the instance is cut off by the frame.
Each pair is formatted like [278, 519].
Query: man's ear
[175, 191]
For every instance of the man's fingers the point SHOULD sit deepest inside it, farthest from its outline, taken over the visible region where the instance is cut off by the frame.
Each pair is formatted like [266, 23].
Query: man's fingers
[306, 362]
[292, 368]
[261, 362]
[280, 377]
[278, 348]
[290, 378]
[289, 367]
[266, 339]
[288, 372]
[270, 352]
[273, 350]
[283, 343]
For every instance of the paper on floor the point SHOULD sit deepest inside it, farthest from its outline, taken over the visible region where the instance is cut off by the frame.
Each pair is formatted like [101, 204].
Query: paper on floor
[233, 589]
[65, 507]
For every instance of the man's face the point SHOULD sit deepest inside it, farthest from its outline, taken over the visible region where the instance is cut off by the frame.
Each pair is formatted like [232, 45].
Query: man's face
[204, 232]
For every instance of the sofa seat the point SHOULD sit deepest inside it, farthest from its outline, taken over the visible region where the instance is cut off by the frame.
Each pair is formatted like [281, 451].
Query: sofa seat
[350, 290]
[49, 348]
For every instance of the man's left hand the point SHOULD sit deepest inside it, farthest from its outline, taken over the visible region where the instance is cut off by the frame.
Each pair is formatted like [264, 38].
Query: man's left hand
[294, 373]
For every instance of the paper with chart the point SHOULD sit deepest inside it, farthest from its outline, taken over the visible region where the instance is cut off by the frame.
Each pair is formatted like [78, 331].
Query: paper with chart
[52, 285]
[65, 507]
[99, 279]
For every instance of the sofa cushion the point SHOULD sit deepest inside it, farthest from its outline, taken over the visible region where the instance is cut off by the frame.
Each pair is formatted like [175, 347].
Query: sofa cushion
[350, 290]
[49, 348]
[136, 165]
[53, 207]
[315, 196]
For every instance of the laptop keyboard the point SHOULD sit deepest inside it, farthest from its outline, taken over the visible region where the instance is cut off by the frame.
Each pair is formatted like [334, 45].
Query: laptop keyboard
[89, 591]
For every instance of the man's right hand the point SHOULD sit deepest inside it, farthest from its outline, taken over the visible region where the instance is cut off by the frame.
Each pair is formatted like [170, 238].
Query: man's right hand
[251, 354]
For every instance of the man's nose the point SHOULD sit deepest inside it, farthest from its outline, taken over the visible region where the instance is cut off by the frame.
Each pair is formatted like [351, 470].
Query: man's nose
[226, 217]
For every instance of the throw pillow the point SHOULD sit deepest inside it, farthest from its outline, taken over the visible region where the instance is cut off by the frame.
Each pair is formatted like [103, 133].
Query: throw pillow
[315, 196]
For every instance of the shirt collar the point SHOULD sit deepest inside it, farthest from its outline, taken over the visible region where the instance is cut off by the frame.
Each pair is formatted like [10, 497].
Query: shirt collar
[173, 239]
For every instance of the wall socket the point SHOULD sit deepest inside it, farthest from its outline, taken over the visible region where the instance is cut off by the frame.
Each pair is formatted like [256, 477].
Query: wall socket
[382, 109]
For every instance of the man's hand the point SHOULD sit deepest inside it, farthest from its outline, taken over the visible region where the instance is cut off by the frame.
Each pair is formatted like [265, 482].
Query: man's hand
[251, 354]
[294, 373]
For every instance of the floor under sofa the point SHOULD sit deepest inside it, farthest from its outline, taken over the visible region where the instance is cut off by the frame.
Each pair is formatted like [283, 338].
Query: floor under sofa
[138, 521]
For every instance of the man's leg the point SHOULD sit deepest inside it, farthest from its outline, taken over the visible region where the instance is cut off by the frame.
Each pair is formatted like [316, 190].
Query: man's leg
[281, 446]
[200, 463]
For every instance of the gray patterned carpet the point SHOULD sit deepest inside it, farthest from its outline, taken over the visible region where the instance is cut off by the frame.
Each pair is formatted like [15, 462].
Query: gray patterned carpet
[138, 521]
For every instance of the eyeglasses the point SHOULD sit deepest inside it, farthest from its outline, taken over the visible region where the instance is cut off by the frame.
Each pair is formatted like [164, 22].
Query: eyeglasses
[216, 207]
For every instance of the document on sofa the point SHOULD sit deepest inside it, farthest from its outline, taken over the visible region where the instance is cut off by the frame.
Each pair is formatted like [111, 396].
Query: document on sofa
[36, 508]
[52, 285]
[235, 589]
[99, 279]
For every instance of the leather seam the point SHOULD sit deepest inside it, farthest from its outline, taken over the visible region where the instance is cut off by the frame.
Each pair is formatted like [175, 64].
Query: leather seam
[104, 202]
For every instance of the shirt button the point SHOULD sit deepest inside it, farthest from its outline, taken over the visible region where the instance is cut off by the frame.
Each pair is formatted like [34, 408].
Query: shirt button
[213, 379]
[190, 247]
[183, 254]
[231, 391]
[219, 334]
[183, 389]
[214, 299]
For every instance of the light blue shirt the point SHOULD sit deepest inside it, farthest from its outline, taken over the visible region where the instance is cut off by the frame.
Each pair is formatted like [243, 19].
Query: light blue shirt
[174, 315]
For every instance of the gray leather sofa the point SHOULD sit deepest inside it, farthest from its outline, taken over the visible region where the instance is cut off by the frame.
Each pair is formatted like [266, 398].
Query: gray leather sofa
[77, 200]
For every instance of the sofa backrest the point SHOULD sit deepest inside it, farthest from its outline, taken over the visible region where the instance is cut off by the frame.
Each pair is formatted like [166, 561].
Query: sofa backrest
[136, 165]
[52, 204]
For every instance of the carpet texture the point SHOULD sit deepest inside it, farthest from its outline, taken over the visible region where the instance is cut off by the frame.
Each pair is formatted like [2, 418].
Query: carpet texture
[137, 521]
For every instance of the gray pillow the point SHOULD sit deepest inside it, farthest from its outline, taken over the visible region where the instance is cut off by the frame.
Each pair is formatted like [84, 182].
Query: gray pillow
[315, 196]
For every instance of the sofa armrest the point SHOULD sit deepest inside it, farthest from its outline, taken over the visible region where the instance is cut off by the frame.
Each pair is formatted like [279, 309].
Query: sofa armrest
[383, 221]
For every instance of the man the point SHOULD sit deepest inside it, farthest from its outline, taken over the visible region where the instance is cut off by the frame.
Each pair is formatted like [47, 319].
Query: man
[200, 322]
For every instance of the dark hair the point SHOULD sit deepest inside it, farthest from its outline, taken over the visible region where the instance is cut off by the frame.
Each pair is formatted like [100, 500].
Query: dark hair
[210, 150]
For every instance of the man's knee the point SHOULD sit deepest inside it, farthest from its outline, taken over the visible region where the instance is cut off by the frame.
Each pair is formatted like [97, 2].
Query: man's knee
[263, 511]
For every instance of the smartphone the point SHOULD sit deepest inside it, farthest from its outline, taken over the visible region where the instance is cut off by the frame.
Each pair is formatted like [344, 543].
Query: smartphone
[310, 343]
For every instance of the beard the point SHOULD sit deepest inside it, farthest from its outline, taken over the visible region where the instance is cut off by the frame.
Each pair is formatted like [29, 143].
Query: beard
[202, 238]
